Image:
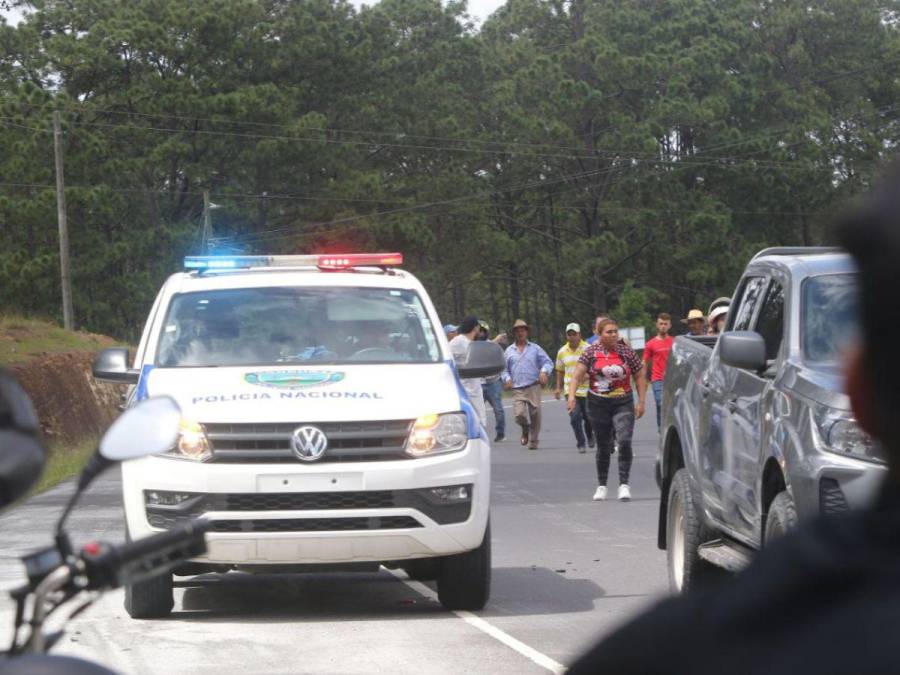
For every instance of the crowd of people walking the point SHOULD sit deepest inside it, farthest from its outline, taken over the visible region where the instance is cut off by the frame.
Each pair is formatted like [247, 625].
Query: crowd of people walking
[604, 381]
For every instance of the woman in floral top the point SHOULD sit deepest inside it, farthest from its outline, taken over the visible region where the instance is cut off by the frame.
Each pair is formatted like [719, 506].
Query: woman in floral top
[611, 366]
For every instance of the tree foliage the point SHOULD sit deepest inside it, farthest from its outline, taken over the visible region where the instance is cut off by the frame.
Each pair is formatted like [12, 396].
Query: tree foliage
[565, 158]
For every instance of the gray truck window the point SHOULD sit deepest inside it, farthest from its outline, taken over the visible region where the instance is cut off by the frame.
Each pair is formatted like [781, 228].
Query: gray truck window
[279, 325]
[771, 320]
[828, 316]
[751, 290]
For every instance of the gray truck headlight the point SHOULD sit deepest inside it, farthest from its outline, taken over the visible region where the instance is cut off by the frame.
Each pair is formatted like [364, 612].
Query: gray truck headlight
[437, 434]
[836, 431]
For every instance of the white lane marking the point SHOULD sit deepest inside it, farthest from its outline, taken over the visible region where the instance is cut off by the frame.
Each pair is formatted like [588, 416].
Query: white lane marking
[530, 653]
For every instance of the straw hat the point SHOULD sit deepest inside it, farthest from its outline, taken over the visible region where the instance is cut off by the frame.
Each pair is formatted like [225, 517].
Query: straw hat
[521, 323]
[694, 314]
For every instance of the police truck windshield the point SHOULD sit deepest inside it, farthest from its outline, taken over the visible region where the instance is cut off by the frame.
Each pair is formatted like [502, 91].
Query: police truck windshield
[272, 326]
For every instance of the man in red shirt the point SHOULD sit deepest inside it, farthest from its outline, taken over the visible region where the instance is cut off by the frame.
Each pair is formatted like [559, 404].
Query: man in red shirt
[656, 358]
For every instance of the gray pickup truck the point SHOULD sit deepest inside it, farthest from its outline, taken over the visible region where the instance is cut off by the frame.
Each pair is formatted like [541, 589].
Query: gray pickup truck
[756, 431]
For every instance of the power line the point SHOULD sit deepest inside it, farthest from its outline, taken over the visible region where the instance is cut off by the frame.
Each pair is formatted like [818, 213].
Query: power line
[604, 154]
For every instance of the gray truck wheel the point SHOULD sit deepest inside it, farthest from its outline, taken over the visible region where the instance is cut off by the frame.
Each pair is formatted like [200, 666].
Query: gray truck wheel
[782, 517]
[150, 599]
[685, 532]
[464, 580]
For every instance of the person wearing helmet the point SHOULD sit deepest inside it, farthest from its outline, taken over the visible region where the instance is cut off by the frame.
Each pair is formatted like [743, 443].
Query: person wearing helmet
[21, 454]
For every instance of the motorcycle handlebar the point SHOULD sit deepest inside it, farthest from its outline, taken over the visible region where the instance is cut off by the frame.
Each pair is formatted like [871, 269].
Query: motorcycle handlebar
[110, 566]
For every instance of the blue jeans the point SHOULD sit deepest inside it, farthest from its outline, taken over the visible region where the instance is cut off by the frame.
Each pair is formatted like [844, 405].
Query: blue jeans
[657, 396]
[578, 418]
[493, 396]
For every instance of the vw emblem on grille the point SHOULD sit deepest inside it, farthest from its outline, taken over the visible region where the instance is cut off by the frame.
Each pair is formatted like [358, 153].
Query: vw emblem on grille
[309, 443]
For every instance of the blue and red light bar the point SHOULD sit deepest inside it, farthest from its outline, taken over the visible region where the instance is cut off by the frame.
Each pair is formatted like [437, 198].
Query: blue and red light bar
[331, 262]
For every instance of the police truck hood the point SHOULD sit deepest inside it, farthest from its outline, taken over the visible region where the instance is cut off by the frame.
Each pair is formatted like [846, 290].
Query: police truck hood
[307, 394]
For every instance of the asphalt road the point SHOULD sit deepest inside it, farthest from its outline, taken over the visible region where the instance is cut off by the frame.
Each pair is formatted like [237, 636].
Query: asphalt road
[566, 571]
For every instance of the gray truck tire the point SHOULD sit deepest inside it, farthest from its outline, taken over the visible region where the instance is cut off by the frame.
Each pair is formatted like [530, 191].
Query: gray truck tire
[464, 580]
[685, 531]
[150, 599]
[782, 517]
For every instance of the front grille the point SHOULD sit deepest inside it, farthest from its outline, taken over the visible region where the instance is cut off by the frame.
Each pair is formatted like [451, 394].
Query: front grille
[831, 497]
[347, 441]
[316, 524]
[196, 504]
[302, 501]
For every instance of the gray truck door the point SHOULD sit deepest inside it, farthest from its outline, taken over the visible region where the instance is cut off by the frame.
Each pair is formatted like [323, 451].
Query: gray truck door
[718, 384]
[750, 418]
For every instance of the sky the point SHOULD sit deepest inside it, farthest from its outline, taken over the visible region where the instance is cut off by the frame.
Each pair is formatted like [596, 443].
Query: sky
[480, 9]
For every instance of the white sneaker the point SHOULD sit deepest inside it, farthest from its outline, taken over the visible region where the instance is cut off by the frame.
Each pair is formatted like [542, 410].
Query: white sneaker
[600, 494]
[624, 493]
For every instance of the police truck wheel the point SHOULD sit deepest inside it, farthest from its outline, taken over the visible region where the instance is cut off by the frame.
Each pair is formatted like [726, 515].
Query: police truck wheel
[685, 532]
[782, 517]
[464, 580]
[150, 599]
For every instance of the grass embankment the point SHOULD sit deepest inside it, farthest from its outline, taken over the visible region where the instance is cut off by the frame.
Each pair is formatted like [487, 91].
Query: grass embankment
[64, 462]
[23, 339]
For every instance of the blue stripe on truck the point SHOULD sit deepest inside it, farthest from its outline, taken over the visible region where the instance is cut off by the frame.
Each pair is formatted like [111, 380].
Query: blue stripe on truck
[142, 392]
[472, 422]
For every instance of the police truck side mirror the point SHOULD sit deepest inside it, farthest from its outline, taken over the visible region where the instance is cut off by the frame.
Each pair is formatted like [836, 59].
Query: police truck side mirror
[111, 365]
[483, 359]
[744, 349]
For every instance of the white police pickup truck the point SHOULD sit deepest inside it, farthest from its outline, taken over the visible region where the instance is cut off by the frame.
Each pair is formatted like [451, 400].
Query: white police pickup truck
[324, 424]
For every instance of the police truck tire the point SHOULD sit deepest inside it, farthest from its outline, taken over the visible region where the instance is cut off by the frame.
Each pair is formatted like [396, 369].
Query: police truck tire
[150, 599]
[781, 518]
[464, 580]
[685, 532]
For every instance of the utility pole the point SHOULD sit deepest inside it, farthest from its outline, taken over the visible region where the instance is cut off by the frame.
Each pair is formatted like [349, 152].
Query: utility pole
[65, 275]
[207, 227]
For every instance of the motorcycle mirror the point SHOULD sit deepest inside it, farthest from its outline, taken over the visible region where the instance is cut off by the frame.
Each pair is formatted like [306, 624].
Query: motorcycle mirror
[22, 456]
[149, 428]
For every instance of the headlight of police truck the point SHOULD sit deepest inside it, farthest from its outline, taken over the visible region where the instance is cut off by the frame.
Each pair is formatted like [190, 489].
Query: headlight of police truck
[835, 431]
[437, 434]
[192, 443]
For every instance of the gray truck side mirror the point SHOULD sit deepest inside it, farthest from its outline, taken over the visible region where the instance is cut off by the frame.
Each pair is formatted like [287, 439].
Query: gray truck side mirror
[744, 349]
[483, 359]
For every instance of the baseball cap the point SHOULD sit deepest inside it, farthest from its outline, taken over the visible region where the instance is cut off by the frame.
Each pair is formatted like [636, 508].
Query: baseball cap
[467, 325]
[450, 328]
[573, 326]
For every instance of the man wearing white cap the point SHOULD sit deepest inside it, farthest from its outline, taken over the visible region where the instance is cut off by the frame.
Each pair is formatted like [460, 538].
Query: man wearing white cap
[566, 359]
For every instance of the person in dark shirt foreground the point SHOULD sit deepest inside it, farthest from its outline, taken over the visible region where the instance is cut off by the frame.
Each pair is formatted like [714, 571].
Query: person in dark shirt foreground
[825, 598]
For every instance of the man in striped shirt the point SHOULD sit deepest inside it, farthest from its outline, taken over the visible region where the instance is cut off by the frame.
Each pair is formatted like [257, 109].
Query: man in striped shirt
[566, 359]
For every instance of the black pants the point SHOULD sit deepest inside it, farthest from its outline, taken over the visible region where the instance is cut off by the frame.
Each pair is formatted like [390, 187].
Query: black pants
[581, 425]
[612, 420]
